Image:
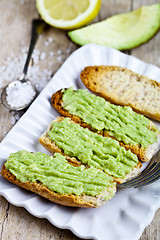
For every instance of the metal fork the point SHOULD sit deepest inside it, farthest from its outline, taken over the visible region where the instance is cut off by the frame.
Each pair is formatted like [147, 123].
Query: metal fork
[149, 175]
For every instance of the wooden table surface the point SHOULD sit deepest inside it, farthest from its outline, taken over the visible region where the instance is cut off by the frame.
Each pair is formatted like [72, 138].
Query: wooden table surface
[53, 48]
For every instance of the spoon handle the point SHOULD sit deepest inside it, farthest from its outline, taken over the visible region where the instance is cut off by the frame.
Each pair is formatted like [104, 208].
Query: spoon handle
[38, 26]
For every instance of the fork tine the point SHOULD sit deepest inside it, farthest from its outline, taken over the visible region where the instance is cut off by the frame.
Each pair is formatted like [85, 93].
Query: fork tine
[148, 177]
[139, 177]
[142, 177]
[151, 173]
[153, 179]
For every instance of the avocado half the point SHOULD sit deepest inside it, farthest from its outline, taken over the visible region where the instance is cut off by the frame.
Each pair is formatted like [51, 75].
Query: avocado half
[122, 31]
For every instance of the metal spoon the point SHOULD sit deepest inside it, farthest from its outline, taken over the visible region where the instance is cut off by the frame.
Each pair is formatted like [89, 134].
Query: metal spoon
[38, 26]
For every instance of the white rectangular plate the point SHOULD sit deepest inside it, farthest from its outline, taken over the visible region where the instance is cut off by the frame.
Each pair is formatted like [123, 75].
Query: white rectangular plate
[131, 210]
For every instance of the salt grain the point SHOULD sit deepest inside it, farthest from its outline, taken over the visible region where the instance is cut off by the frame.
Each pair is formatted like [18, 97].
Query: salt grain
[15, 116]
[46, 43]
[59, 58]
[21, 94]
[42, 56]
[13, 120]
[50, 39]
[59, 52]
[51, 54]
[11, 70]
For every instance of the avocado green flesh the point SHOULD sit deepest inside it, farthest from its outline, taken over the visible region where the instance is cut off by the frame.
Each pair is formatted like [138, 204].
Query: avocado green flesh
[119, 122]
[57, 174]
[123, 31]
[92, 149]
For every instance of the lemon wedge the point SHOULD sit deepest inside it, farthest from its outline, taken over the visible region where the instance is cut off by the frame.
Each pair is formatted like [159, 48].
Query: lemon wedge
[123, 31]
[68, 14]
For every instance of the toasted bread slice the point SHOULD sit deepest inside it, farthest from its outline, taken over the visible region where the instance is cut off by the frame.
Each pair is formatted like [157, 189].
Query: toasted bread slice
[144, 153]
[124, 87]
[83, 200]
[51, 146]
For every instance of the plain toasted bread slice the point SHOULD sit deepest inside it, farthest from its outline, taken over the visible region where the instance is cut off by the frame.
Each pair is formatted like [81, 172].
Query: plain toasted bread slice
[124, 87]
[83, 200]
[51, 146]
[144, 154]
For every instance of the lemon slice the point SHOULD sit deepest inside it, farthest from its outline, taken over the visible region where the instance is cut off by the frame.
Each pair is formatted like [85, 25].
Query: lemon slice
[123, 31]
[68, 14]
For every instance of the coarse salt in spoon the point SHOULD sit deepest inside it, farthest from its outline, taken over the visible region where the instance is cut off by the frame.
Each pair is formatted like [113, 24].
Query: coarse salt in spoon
[19, 94]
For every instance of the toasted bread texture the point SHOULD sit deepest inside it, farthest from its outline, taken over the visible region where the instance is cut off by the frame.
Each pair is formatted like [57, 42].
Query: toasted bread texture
[51, 146]
[124, 87]
[144, 154]
[83, 200]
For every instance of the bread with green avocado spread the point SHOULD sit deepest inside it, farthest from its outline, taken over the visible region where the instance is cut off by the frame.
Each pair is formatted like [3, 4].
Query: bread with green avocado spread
[60, 179]
[133, 131]
[91, 149]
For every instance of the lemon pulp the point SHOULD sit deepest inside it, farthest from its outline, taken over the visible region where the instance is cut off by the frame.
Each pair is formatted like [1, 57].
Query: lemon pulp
[68, 14]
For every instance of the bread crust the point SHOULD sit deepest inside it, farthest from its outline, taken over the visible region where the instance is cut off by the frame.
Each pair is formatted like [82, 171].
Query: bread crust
[51, 146]
[143, 154]
[62, 199]
[120, 89]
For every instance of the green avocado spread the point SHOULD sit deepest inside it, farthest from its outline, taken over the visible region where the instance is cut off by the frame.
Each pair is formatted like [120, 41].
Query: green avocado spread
[92, 149]
[57, 174]
[119, 122]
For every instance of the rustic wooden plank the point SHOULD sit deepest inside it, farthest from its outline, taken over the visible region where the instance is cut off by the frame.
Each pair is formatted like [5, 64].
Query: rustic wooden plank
[152, 232]
[17, 223]
[112, 7]
[15, 19]
[4, 206]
